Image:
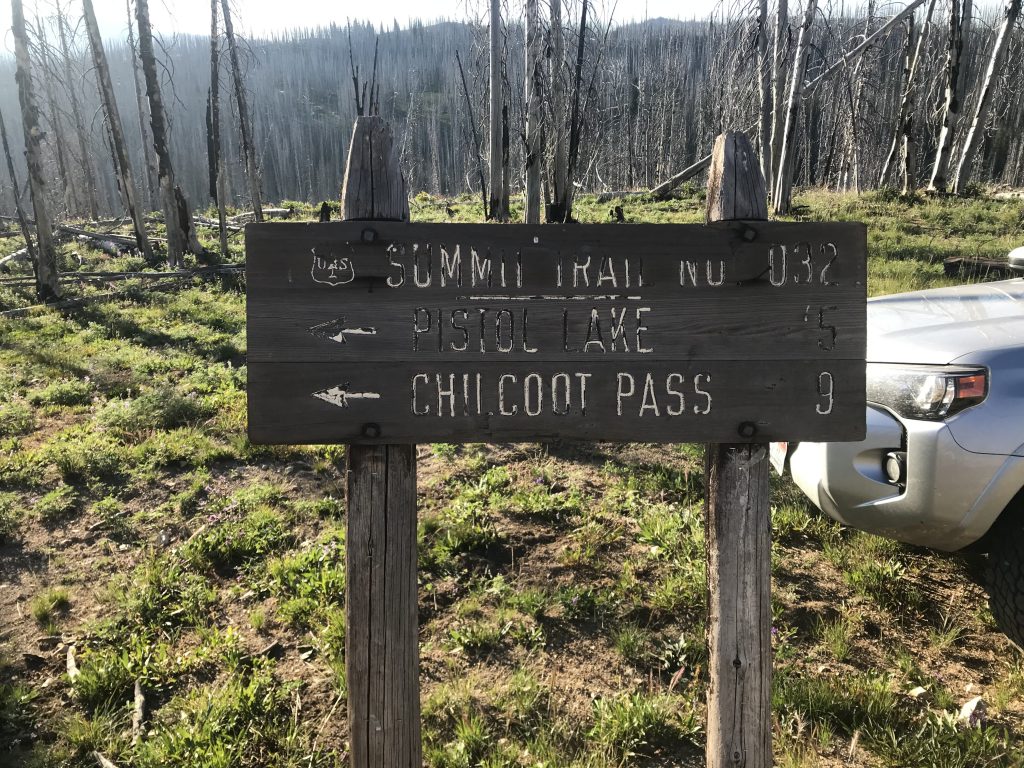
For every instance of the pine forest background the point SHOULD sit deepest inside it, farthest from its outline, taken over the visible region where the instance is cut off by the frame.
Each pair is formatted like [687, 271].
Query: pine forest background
[654, 95]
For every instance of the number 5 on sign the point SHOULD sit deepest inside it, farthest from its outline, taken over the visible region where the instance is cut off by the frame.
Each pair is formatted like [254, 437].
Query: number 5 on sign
[826, 385]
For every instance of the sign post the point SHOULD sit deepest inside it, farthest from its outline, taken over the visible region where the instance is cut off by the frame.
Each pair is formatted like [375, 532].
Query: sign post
[381, 618]
[738, 525]
[382, 333]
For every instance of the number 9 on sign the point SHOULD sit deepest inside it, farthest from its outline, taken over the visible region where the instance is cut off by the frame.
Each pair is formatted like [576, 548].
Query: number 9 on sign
[826, 386]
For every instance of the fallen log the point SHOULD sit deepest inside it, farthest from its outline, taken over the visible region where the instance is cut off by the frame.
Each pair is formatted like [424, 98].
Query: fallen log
[662, 190]
[248, 216]
[138, 713]
[19, 255]
[202, 221]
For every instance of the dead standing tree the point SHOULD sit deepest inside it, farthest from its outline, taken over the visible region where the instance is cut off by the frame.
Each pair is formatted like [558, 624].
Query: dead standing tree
[26, 231]
[177, 217]
[252, 168]
[799, 91]
[218, 186]
[497, 207]
[364, 107]
[780, 55]
[556, 110]
[534, 78]
[85, 156]
[764, 66]
[995, 68]
[787, 152]
[904, 132]
[47, 285]
[152, 185]
[53, 118]
[951, 106]
[113, 120]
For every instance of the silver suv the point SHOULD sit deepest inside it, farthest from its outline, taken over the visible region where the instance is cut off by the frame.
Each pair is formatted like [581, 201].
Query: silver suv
[942, 465]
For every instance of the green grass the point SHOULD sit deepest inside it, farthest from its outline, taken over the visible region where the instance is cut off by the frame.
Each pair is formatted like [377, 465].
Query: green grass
[562, 587]
[49, 604]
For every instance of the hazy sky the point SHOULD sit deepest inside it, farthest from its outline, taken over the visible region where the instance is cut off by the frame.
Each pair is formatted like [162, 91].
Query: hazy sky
[262, 17]
[265, 17]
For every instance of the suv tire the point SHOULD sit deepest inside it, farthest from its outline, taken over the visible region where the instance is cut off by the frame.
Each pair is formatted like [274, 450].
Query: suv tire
[1004, 577]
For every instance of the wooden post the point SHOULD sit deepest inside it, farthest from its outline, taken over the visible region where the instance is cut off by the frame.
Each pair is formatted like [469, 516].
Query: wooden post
[738, 530]
[382, 639]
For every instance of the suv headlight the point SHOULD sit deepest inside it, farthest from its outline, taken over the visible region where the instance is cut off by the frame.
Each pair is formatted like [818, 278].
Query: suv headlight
[926, 391]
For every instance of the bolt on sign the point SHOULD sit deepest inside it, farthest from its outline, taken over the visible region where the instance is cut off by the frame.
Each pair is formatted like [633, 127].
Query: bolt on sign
[389, 332]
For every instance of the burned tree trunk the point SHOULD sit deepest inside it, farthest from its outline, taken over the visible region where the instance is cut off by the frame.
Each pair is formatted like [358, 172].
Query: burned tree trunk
[764, 128]
[495, 154]
[76, 114]
[560, 162]
[787, 156]
[53, 118]
[177, 236]
[151, 185]
[26, 231]
[534, 86]
[779, 55]
[575, 118]
[951, 107]
[476, 136]
[217, 184]
[252, 169]
[114, 128]
[47, 285]
[981, 110]
[904, 133]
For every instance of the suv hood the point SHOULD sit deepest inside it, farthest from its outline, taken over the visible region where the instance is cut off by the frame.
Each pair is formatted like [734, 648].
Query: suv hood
[939, 325]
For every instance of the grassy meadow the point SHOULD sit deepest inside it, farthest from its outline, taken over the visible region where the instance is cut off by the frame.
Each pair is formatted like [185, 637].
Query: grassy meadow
[147, 548]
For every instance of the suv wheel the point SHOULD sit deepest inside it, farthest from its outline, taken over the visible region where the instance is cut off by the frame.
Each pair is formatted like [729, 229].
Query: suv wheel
[1004, 577]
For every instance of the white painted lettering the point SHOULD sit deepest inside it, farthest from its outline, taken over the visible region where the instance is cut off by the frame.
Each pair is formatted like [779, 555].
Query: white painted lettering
[426, 408]
[677, 393]
[421, 275]
[621, 393]
[501, 395]
[533, 401]
[561, 380]
[451, 266]
[650, 402]
[480, 269]
[640, 330]
[393, 281]
[443, 393]
[706, 407]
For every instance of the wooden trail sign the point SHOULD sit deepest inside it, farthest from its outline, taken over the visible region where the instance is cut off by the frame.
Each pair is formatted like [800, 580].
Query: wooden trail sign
[382, 333]
[389, 332]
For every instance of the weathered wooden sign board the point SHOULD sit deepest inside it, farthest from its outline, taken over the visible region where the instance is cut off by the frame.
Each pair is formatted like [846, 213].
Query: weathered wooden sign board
[388, 332]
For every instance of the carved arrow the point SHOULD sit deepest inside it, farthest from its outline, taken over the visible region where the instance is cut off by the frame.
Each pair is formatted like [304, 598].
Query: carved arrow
[340, 396]
[334, 330]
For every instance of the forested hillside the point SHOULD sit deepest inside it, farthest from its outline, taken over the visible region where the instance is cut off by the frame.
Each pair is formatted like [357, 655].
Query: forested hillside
[652, 97]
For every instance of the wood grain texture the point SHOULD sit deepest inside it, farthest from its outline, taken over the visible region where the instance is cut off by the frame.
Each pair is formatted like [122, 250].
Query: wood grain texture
[381, 642]
[382, 638]
[738, 531]
[518, 299]
[739, 607]
[373, 186]
[782, 402]
[734, 190]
